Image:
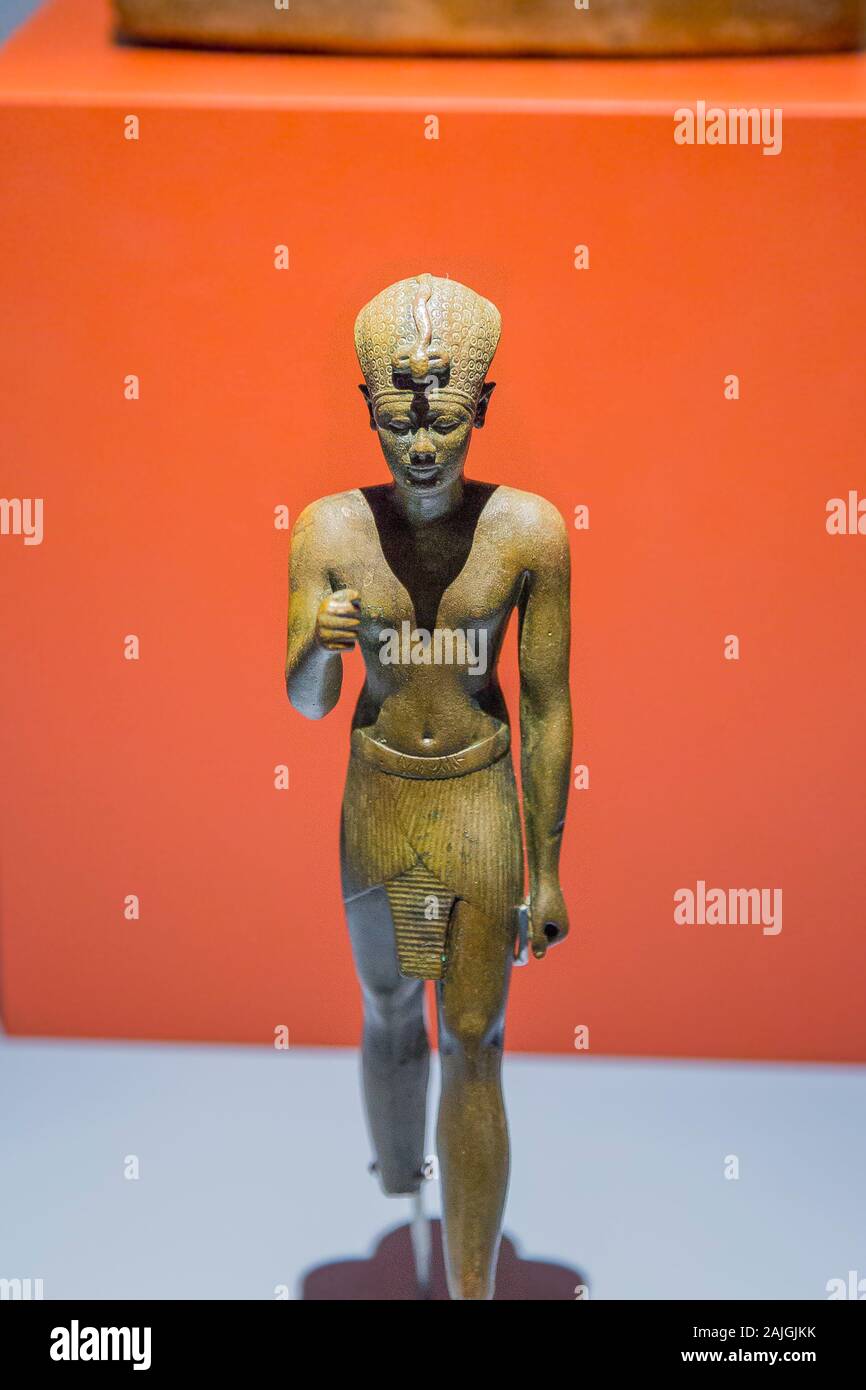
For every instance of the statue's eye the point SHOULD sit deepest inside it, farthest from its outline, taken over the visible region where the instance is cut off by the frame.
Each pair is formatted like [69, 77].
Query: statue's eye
[399, 426]
[445, 424]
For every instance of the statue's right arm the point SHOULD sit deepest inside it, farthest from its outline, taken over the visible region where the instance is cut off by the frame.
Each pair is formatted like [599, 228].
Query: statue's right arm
[322, 623]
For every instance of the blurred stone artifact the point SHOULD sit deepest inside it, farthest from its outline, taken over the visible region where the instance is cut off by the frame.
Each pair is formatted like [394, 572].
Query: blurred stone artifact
[500, 26]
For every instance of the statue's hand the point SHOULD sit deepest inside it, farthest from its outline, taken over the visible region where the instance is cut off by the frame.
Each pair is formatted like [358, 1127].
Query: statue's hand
[338, 620]
[548, 917]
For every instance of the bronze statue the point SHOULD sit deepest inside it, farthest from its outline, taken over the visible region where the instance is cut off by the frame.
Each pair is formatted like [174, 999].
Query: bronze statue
[423, 574]
[501, 26]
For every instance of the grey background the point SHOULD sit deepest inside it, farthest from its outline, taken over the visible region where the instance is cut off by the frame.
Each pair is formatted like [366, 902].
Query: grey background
[14, 12]
[253, 1169]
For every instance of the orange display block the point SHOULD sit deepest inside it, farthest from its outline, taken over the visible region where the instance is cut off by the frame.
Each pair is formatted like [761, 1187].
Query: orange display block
[677, 252]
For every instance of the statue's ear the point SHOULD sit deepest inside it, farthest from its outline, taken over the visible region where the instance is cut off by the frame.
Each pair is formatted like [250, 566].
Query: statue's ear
[483, 402]
[365, 392]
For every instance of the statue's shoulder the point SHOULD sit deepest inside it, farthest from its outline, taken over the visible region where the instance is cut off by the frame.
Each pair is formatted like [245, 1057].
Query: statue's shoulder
[527, 513]
[329, 517]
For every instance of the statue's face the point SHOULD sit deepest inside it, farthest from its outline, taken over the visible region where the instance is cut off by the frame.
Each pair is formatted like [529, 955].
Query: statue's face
[425, 436]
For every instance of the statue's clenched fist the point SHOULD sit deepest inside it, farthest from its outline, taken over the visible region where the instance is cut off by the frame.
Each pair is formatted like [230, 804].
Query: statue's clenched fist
[548, 916]
[338, 620]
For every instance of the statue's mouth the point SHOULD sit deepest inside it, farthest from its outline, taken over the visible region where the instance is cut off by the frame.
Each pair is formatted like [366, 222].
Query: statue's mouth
[422, 472]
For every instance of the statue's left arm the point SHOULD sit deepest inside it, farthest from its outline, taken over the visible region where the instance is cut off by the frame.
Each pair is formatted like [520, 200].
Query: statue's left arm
[545, 720]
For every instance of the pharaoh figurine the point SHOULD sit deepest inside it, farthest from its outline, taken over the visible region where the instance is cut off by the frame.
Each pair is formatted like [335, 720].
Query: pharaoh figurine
[423, 574]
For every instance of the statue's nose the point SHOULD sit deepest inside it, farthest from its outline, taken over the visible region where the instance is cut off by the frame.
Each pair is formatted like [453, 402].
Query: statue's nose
[422, 446]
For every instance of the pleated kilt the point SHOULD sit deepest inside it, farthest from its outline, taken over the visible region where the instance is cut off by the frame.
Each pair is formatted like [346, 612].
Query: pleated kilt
[430, 830]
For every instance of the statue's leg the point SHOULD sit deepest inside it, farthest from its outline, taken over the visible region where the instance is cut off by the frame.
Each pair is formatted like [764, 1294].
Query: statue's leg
[472, 1135]
[395, 1051]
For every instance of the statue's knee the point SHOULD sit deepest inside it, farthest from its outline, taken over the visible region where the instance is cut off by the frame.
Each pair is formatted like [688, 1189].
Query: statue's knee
[393, 1003]
[472, 1036]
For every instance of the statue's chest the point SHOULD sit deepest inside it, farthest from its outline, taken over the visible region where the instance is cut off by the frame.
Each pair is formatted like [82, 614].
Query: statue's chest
[429, 585]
